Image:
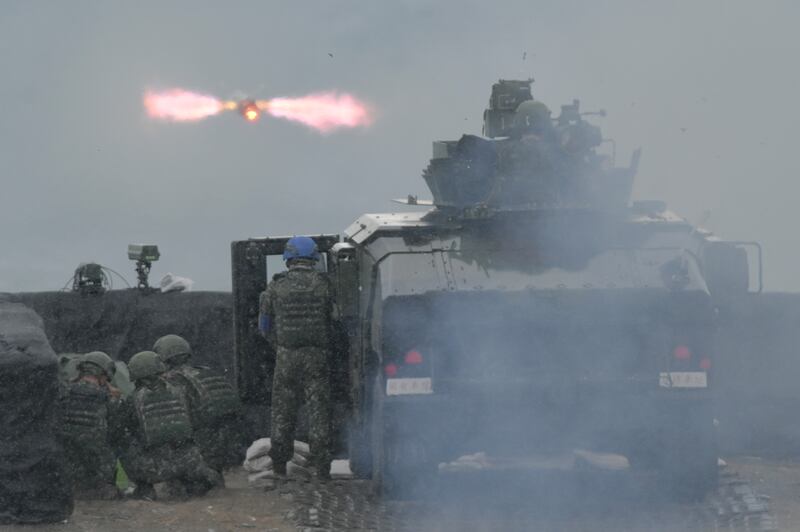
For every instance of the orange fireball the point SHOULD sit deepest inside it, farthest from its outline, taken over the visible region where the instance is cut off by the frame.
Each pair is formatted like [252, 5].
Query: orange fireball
[249, 110]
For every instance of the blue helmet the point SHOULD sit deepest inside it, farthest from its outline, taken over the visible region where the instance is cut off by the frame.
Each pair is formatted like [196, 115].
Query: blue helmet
[300, 247]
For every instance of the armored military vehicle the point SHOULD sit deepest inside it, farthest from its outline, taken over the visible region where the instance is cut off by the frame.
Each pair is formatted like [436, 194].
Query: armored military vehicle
[533, 308]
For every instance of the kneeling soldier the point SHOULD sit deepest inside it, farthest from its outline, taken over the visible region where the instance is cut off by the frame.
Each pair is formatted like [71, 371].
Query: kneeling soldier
[214, 406]
[86, 409]
[159, 446]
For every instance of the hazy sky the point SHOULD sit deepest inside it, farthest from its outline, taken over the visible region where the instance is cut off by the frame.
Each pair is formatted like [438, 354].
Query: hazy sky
[708, 89]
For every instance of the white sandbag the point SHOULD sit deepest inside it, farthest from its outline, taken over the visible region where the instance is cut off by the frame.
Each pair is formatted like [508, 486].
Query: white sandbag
[261, 479]
[341, 469]
[260, 463]
[608, 461]
[296, 471]
[258, 448]
[468, 462]
[262, 446]
[175, 283]
[301, 447]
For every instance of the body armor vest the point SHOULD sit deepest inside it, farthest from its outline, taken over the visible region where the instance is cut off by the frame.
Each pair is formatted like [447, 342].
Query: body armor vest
[85, 412]
[302, 302]
[162, 417]
[215, 398]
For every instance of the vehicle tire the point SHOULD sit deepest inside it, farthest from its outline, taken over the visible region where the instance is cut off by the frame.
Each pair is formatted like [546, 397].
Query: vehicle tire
[358, 445]
[401, 463]
[689, 463]
[408, 472]
[377, 437]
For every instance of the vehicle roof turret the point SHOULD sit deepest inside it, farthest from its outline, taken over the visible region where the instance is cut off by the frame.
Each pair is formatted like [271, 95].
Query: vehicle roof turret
[528, 160]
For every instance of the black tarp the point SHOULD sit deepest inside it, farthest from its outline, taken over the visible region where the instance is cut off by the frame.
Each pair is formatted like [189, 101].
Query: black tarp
[124, 322]
[33, 483]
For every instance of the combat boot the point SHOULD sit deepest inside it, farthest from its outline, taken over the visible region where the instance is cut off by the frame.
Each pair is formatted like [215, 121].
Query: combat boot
[279, 469]
[175, 490]
[279, 477]
[322, 473]
[144, 490]
[108, 492]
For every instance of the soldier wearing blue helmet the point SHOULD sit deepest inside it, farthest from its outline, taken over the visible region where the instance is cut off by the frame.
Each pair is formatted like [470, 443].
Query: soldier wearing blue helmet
[296, 314]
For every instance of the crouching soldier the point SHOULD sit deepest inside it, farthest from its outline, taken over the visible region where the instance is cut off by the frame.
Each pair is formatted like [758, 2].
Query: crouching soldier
[214, 406]
[86, 408]
[157, 444]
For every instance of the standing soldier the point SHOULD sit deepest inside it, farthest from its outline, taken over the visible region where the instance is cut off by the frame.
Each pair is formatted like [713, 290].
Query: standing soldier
[214, 406]
[86, 409]
[158, 445]
[296, 312]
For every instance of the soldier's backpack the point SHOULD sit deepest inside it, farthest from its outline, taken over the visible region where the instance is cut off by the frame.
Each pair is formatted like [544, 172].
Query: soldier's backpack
[163, 417]
[85, 413]
[213, 397]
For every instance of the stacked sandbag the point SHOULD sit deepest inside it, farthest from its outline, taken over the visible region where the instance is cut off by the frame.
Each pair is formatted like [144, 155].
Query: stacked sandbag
[259, 464]
[33, 483]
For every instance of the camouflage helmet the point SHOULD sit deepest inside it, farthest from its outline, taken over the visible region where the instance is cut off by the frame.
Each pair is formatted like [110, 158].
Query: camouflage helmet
[145, 364]
[171, 346]
[99, 360]
[531, 114]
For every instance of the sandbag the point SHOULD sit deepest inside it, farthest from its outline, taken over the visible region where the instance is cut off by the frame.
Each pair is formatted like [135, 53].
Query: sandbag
[34, 487]
[259, 464]
[261, 447]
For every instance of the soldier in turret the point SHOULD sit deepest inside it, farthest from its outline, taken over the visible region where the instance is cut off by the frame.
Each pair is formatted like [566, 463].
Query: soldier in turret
[529, 161]
[214, 406]
[296, 313]
[158, 444]
[532, 118]
[87, 406]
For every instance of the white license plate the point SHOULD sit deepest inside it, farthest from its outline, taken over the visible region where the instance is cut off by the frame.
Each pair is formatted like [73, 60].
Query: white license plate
[683, 379]
[409, 386]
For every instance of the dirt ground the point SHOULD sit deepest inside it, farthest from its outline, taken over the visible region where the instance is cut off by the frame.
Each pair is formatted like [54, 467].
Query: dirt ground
[239, 507]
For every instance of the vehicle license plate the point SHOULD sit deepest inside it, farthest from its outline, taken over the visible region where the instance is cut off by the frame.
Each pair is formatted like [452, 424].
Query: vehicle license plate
[409, 386]
[683, 379]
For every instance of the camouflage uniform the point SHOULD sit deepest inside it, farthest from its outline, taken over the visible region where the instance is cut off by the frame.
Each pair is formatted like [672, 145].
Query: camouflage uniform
[159, 445]
[216, 414]
[299, 302]
[86, 408]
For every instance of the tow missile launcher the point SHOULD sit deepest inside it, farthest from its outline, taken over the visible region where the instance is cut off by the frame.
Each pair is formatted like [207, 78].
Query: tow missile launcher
[518, 168]
[506, 96]
[532, 309]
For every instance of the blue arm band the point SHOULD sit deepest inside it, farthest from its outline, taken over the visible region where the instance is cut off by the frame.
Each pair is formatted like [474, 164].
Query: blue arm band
[263, 323]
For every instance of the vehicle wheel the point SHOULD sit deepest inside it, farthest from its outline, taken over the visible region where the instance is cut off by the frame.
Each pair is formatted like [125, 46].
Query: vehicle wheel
[401, 464]
[359, 451]
[692, 479]
[689, 462]
[408, 472]
[377, 437]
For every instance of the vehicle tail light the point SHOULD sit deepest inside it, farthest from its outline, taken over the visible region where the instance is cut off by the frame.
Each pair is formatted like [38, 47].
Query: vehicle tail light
[413, 357]
[682, 353]
[390, 370]
[705, 363]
